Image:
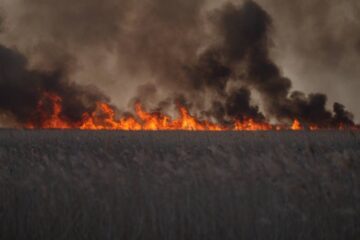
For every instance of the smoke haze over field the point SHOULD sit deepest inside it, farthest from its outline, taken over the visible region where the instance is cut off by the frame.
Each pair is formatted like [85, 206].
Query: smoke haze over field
[238, 59]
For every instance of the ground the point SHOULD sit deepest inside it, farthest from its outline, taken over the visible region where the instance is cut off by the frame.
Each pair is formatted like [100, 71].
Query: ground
[179, 185]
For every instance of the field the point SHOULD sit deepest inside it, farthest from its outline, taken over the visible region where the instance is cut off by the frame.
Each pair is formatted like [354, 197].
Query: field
[179, 185]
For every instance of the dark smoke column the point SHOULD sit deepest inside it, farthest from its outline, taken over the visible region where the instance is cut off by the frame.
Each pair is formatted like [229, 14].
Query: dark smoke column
[242, 55]
[21, 91]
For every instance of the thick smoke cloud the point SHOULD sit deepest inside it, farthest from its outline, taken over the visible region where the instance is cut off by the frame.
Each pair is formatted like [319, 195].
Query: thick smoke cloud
[245, 44]
[317, 46]
[212, 61]
[238, 107]
[245, 30]
[109, 43]
[22, 90]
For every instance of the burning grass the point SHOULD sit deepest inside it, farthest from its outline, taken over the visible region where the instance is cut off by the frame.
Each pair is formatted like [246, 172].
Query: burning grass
[104, 118]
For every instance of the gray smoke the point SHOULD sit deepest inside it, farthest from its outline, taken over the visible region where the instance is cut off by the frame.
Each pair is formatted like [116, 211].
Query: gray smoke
[21, 90]
[212, 60]
[245, 42]
[317, 45]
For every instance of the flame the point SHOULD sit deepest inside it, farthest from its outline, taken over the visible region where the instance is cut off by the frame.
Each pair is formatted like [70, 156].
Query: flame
[296, 126]
[143, 121]
[251, 125]
[52, 120]
[104, 118]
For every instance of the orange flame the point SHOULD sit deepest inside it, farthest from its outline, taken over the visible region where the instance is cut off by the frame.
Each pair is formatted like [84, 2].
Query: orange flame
[296, 126]
[251, 125]
[53, 120]
[104, 118]
[145, 121]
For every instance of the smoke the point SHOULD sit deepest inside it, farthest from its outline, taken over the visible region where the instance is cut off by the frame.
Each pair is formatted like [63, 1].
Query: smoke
[54, 29]
[317, 46]
[213, 61]
[238, 107]
[21, 91]
[245, 42]
[245, 30]
[342, 117]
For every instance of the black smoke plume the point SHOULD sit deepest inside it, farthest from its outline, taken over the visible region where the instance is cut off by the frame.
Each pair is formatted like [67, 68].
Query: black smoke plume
[21, 91]
[238, 107]
[215, 72]
[245, 42]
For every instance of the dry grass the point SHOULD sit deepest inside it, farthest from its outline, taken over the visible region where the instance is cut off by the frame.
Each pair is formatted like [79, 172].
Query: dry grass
[173, 185]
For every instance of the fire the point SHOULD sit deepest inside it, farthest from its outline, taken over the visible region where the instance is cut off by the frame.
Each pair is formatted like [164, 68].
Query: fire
[251, 125]
[145, 121]
[49, 114]
[52, 120]
[103, 118]
[296, 126]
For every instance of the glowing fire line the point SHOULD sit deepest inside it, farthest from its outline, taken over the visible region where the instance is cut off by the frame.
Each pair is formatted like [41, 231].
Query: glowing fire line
[104, 118]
